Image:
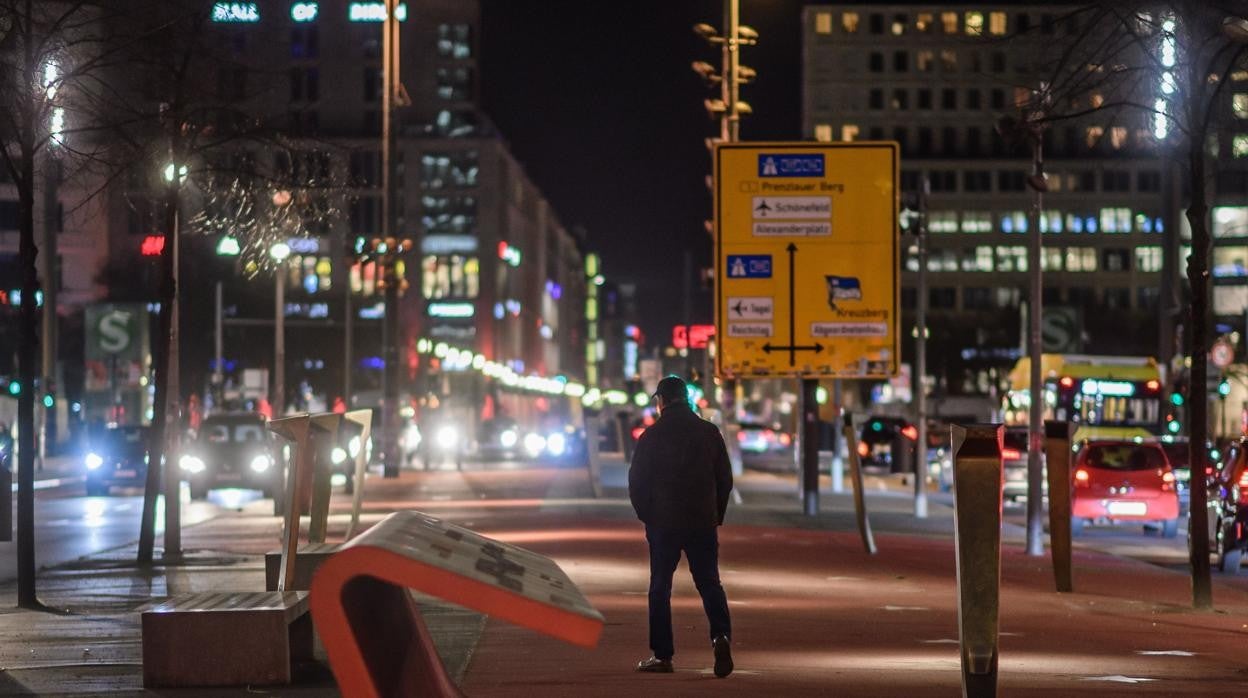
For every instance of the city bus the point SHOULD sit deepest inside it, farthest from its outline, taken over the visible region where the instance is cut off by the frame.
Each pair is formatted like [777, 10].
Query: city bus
[1106, 397]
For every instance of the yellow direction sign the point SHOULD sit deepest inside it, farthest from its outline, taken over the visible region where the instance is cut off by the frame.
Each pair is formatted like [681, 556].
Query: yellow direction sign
[806, 259]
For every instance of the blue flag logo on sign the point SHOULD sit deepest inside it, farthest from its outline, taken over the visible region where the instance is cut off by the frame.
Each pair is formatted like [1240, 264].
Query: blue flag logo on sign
[843, 288]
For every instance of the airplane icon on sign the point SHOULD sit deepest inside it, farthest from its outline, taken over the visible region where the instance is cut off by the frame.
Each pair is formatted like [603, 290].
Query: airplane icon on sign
[762, 206]
[739, 308]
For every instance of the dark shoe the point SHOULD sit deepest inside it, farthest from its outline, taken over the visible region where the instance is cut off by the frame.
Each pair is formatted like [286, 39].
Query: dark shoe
[654, 665]
[723, 656]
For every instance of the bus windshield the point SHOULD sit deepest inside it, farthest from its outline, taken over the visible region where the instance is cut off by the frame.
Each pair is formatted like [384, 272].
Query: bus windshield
[1105, 396]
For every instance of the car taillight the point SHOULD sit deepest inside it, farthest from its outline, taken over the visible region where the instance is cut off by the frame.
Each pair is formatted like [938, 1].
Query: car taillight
[637, 432]
[1067, 382]
[769, 436]
[1167, 481]
[910, 432]
[742, 436]
[1243, 479]
[1082, 478]
[1243, 488]
[863, 449]
[785, 439]
[1011, 453]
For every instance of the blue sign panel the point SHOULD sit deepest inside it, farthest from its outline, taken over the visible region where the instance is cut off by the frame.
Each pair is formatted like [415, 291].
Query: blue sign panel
[790, 165]
[749, 266]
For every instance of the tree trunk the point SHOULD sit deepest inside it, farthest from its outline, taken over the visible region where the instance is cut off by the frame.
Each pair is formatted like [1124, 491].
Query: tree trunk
[160, 408]
[1198, 404]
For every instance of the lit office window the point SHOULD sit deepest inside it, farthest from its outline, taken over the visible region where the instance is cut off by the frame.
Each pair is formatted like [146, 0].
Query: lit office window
[1011, 258]
[449, 214]
[454, 83]
[942, 222]
[924, 61]
[450, 276]
[1230, 262]
[1050, 259]
[1239, 105]
[983, 258]
[849, 132]
[439, 170]
[942, 260]
[1051, 222]
[1148, 258]
[899, 25]
[1230, 300]
[454, 41]
[974, 23]
[1116, 220]
[823, 22]
[823, 132]
[996, 23]
[1081, 259]
[1093, 135]
[1014, 222]
[1239, 146]
[1118, 137]
[976, 222]
[924, 23]
[949, 20]
[949, 60]
[849, 22]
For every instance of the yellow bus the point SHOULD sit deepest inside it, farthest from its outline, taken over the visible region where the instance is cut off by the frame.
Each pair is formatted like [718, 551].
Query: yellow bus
[1106, 397]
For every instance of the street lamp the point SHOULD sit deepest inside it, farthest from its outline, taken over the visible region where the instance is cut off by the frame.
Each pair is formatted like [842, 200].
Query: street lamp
[280, 251]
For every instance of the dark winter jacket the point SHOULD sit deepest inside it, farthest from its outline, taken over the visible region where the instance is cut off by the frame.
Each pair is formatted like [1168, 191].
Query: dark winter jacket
[680, 476]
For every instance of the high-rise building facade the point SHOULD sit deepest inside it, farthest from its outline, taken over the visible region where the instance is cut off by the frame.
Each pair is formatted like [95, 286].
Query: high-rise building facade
[937, 79]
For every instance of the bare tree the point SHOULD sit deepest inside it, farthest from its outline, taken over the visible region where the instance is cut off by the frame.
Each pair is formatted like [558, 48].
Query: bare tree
[1150, 78]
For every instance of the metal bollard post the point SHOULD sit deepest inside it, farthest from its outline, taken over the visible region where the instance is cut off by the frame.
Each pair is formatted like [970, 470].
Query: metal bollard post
[1057, 438]
[855, 473]
[592, 424]
[363, 420]
[296, 429]
[977, 477]
[6, 504]
[325, 433]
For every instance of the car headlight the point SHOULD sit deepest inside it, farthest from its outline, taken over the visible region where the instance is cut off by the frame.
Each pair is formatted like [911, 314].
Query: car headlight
[337, 456]
[261, 463]
[508, 438]
[191, 464]
[534, 444]
[556, 444]
[411, 437]
[447, 436]
[93, 461]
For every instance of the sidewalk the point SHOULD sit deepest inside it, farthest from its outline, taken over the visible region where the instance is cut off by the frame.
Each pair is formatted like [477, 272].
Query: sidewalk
[812, 613]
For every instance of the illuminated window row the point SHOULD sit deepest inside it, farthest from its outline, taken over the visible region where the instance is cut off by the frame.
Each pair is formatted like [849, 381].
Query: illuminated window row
[1013, 258]
[1119, 220]
[972, 23]
[450, 276]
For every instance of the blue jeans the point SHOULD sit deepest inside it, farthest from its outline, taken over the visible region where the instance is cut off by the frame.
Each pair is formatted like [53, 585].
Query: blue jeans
[701, 547]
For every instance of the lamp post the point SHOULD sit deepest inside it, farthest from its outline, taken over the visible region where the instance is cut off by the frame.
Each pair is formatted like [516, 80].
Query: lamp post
[280, 251]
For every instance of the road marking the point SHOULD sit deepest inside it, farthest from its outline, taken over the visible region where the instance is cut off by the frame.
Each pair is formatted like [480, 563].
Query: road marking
[905, 608]
[942, 641]
[1166, 653]
[55, 482]
[1117, 678]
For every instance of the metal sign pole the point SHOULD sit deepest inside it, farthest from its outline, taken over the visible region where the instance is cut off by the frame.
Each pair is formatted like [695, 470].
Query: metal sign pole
[810, 447]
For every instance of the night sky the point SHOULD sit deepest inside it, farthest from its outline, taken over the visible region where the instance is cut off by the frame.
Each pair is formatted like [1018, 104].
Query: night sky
[599, 104]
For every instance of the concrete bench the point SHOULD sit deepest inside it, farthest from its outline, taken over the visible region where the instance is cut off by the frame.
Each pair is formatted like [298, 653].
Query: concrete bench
[372, 629]
[226, 639]
[308, 558]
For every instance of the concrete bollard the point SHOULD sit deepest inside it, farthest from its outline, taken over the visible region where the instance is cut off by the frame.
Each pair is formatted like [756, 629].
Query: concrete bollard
[324, 436]
[855, 473]
[1057, 438]
[297, 429]
[977, 477]
[360, 423]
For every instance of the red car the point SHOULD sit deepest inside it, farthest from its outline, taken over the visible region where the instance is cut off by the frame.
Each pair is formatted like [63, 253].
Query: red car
[1118, 481]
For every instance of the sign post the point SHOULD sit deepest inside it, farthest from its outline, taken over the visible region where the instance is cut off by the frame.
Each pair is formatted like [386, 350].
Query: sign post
[806, 259]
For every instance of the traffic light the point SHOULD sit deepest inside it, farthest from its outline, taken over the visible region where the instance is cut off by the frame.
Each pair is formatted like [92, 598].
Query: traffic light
[1176, 399]
[15, 388]
[1224, 388]
[48, 400]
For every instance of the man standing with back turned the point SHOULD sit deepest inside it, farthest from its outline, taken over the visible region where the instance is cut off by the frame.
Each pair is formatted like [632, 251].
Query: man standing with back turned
[679, 483]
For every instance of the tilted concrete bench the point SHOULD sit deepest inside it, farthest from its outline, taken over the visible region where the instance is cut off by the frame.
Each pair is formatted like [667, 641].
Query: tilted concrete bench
[309, 558]
[226, 639]
[372, 629]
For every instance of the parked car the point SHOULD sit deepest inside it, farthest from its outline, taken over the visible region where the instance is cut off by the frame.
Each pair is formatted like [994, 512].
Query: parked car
[1176, 449]
[116, 457]
[881, 440]
[1015, 461]
[232, 449]
[1228, 507]
[1116, 481]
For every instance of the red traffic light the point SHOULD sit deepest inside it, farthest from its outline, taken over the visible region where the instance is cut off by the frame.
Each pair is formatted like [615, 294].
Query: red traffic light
[153, 246]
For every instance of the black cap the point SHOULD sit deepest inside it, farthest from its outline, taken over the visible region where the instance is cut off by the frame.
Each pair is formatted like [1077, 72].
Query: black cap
[672, 389]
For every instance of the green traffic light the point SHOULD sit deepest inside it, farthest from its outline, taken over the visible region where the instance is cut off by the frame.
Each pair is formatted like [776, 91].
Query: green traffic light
[48, 401]
[1224, 388]
[15, 388]
[1174, 427]
[1176, 399]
